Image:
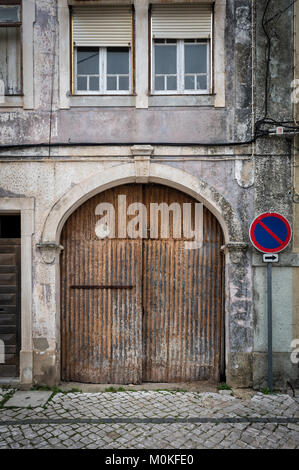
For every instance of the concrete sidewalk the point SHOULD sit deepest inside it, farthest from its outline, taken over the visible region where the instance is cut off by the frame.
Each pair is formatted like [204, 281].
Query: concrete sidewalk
[152, 419]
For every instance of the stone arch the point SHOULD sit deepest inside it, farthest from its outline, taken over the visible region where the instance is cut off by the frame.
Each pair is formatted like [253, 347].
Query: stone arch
[141, 171]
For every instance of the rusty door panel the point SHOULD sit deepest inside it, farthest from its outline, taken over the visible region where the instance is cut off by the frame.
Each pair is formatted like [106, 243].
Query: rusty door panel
[10, 294]
[136, 310]
[101, 324]
[182, 299]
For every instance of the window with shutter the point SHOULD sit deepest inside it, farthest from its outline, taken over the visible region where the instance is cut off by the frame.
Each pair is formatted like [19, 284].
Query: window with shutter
[181, 49]
[10, 48]
[102, 49]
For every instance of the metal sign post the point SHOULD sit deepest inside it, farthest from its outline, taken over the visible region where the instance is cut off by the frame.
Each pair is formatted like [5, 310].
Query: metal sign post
[269, 307]
[270, 259]
[270, 233]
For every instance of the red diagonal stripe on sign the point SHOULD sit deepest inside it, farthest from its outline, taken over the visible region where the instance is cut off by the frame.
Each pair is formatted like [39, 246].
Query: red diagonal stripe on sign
[270, 232]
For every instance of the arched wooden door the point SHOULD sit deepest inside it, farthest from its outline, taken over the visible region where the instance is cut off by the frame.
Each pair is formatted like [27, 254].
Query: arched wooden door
[144, 309]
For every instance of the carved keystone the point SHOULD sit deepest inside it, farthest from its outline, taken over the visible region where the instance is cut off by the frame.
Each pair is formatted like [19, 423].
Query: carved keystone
[142, 155]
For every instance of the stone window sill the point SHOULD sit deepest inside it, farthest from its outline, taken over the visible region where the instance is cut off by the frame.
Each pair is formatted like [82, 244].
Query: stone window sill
[181, 100]
[102, 100]
[13, 101]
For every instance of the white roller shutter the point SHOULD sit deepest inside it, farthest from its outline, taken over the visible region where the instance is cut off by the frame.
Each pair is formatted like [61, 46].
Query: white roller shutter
[181, 21]
[102, 26]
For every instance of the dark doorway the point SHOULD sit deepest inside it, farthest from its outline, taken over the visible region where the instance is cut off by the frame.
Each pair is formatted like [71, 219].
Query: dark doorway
[10, 293]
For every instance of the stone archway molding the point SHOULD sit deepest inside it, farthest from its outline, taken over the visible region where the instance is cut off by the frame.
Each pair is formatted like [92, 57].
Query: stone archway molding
[141, 170]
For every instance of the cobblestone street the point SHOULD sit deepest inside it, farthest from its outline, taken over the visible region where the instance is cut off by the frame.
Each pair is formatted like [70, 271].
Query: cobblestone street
[152, 419]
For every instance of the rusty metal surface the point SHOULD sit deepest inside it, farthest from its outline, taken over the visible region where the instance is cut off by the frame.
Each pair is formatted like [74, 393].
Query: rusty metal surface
[10, 292]
[182, 299]
[101, 328]
[101, 287]
[139, 310]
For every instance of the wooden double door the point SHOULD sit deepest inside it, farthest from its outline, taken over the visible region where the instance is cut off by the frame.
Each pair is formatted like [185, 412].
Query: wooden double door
[140, 309]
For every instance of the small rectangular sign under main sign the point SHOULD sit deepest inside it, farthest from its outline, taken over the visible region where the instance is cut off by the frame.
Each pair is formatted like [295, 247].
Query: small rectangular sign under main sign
[270, 258]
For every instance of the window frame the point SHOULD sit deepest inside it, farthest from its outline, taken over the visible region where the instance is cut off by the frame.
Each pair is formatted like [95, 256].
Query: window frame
[15, 24]
[73, 63]
[181, 62]
[102, 74]
[180, 72]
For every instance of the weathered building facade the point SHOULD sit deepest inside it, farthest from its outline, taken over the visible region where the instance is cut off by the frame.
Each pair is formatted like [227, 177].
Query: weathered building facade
[108, 102]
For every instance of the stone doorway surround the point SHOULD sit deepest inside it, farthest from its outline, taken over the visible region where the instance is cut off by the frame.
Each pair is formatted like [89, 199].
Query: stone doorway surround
[141, 169]
[25, 207]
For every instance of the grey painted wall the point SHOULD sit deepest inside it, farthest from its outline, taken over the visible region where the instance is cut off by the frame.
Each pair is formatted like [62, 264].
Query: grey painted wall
[175, 124]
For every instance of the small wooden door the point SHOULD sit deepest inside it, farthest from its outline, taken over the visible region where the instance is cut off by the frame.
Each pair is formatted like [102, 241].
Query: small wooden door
[141, 309]
[10, 294]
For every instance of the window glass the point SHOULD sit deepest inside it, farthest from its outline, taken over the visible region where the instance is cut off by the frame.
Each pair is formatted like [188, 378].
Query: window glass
[112, 83]
[10, 60]
[196, 58]
[181, 65]
[114, 63]
[189, 82]
[87, 61]
[159, 83]
[171, 83]
[165, 59]
[123, 83]
[117, 60]
[202, 82]
[118, 64]
[9, 14]
[82, 83]
[94, 83]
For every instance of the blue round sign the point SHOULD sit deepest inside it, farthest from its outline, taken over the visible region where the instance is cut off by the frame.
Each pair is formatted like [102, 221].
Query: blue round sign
[270, 232]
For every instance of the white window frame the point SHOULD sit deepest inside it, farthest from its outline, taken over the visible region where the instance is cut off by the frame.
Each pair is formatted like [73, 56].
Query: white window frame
[103, 74]
[17, 25]
[180, 45]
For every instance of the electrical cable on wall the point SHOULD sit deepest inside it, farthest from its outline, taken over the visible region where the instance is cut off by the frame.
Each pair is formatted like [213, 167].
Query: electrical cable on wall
[290, 126]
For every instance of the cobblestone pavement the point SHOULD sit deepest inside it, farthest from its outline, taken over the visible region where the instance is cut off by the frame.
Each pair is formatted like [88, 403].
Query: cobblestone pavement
[154, 420]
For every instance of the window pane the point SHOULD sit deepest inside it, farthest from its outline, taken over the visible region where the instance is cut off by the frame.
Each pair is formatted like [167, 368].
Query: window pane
[10, 60]
[111, 83]
[165, 59]
[171, 83]
[189, 83]
[159, 83]
[196, 58]
[94, 83]
[117, 60]
[123, 83]
[87, 61]
[202, 82]
[9, 14]
[82, 83]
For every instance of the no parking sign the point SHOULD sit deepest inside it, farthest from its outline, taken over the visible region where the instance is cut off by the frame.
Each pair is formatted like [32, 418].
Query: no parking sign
[270, 232]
